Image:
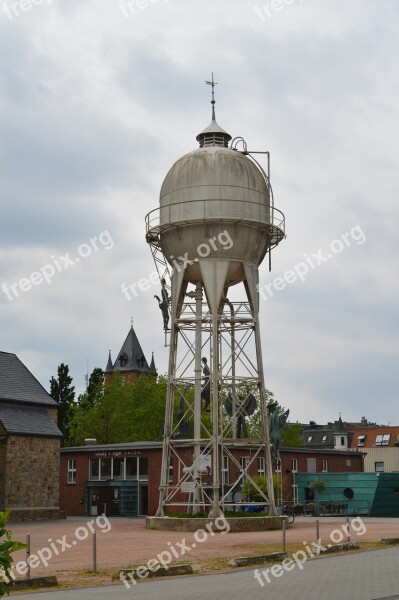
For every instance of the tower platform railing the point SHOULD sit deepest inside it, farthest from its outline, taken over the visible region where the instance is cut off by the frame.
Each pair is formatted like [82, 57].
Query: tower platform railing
[215, 210]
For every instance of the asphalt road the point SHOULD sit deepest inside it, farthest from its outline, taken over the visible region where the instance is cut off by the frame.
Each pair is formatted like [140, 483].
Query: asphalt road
[371, 575]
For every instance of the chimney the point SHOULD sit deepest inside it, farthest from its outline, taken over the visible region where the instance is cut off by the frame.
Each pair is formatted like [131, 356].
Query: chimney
[90, 442]
[364, 421]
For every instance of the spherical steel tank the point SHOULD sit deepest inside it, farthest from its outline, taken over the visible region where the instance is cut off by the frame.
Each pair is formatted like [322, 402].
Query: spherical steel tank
[215, 204]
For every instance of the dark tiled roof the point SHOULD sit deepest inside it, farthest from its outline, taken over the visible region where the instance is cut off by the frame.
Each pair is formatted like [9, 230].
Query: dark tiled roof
[131, 356]
[17, 382]
[27, 420]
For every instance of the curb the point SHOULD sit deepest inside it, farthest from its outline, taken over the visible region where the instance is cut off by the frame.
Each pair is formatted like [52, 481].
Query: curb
[243, 561]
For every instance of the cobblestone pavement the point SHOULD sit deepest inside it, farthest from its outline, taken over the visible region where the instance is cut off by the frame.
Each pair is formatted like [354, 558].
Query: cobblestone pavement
[128, 543]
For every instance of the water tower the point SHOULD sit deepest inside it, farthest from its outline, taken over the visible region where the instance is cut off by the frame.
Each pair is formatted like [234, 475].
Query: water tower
[215, 224]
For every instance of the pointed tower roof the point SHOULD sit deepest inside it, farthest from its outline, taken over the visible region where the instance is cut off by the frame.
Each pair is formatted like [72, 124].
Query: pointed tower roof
[109, 363]
[213, 135]
[339, 426]
[131, 356]
[152, 365]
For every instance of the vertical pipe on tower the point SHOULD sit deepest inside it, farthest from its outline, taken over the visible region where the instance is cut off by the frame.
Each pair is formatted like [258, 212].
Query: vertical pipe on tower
[197, 392]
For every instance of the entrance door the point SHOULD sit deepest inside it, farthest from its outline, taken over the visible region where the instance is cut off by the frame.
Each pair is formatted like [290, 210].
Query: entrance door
[109, 501]
[143, 500]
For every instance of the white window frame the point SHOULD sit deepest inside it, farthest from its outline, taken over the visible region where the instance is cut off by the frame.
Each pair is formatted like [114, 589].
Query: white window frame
[324, 439]
[261, 465]
[361, 440]
[379, 462]
[310, 438]
[225, 470]
[71, 470]
[294, 465]
[278, 465]
[295, 493]
[324, 468]
[383, 439]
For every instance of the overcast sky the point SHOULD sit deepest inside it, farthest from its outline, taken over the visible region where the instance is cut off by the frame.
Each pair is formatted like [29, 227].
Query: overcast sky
[97, 101]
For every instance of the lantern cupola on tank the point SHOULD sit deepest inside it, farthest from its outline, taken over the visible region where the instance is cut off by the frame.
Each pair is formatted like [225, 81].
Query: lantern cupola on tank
[213, 135]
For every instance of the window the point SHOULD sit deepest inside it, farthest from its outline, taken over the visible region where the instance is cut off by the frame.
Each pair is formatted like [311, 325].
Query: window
[324, 439]
[118, 469]
[294, 465]
[361, 439]
[295, 493]
[342, 440]
[278, 465]
[310, 437]
[71, 470]
[348, 462]
[131, 467]
[349, 493]
[94, 473]
[244, 462]
[382, 440]
[171, 469]
[143, 467]
[225, 470]
[379, 467]
[324, 467]
[261, 466]
[105, 468]
[312, 465]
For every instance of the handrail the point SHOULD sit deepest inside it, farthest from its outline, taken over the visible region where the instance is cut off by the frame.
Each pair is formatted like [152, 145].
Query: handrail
[276, 218]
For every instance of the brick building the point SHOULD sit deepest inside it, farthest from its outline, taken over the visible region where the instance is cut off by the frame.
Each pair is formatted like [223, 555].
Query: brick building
[29, 444]
[124, 478]
[381, 448]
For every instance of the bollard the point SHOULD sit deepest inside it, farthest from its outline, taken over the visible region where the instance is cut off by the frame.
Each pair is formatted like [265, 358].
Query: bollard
[284, 529]
[348, 534]
[94, 552]
[28, 553]
[317, 531]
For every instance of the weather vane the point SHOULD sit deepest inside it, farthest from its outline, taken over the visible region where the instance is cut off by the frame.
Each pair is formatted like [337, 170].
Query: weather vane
[212, 83]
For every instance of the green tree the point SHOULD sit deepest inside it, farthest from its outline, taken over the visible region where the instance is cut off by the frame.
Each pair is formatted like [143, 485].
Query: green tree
[122, 412]
[291, 436]
[7, 547]
[63, 392]
[94, 392]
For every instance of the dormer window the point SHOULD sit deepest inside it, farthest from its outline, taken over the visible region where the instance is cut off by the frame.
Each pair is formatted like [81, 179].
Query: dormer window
[383, 440]
[361, 440]
[324, 439]
[123, 358]
[310, 439]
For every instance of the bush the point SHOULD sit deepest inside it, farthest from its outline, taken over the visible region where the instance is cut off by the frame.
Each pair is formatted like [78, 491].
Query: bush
[249, 490]
[7, 547]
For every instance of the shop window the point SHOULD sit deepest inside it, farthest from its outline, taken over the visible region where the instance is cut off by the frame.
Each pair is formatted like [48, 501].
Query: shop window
[143, 467]
[105, 468]
[94, 469]
[131, 468]
[118, 471]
